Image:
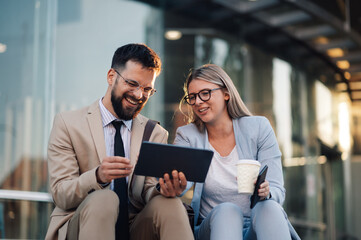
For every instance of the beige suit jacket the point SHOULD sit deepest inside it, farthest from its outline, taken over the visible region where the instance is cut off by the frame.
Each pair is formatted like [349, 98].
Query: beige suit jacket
[76, 148]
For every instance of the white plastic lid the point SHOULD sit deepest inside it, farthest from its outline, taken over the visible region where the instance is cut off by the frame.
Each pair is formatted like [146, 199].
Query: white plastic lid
[249, 161]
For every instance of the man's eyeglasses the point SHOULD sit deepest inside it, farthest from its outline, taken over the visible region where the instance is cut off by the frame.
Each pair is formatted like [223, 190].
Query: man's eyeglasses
[134, 86]
[203, 95]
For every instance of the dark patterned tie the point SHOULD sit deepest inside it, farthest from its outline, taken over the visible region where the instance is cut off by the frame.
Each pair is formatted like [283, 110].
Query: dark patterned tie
[120, 188]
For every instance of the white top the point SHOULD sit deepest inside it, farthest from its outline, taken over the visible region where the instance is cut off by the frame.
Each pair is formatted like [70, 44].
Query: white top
[221, 184]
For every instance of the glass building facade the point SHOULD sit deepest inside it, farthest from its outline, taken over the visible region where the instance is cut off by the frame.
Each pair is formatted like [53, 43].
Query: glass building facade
[54, 56]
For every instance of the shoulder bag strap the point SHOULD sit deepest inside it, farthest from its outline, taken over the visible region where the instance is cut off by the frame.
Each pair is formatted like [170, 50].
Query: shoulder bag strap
[149, 129]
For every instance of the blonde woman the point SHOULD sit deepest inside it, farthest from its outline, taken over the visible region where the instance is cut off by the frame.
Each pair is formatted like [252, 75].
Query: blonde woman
[220, 121]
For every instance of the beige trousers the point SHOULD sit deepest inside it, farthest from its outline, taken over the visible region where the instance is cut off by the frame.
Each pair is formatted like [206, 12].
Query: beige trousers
[162, 218]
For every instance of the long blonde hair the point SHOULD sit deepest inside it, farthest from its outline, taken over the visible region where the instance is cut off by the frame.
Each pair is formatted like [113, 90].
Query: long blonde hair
[214, 74]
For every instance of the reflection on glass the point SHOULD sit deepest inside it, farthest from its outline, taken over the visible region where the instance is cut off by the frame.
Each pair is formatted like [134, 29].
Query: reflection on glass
[282, 106]
[24, 219]
[344, 126]
[324, 114]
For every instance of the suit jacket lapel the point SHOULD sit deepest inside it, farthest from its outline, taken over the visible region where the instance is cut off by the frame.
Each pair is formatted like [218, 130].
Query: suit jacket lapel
[136, 138]
[135, 143]
[96, 129]
[238, 136]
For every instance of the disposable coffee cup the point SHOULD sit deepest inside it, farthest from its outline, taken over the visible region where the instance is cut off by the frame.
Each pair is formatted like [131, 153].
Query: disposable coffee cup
[247, 173]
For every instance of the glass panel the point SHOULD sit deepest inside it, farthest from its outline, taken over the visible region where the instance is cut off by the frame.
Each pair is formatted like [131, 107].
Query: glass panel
[83, 60]
[24, 219]
[24, 92]
[282, 106]
[324, 114]
[202, 49]
[307, 200]
[26, 82]
[54, 56]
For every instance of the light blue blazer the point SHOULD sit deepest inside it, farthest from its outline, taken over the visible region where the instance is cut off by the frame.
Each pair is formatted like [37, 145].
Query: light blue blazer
[255, 139]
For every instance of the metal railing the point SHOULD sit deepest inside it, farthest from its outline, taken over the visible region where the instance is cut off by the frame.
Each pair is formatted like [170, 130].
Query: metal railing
[25, 195]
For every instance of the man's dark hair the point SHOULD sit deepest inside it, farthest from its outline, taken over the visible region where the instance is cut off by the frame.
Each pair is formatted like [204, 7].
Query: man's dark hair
[139, 53]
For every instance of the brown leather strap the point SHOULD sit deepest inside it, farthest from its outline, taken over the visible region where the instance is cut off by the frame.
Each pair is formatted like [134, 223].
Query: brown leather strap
[149, 129]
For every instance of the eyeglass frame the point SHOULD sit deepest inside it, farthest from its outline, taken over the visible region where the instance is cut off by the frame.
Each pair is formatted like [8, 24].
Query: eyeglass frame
[186, 98]
[130, 83]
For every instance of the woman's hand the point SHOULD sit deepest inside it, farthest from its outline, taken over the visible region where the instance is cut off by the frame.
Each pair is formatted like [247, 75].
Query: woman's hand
[263, 190]
[173, 187]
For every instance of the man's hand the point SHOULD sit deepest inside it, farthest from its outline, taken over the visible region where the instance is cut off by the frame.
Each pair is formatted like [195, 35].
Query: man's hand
[113, 167]
[173, 187]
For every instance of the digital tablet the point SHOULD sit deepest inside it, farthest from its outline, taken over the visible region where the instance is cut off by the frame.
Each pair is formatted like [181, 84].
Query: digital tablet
[156, 159]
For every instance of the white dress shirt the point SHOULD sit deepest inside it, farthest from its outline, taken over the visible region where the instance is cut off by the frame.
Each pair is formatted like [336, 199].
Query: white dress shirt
[109, 132]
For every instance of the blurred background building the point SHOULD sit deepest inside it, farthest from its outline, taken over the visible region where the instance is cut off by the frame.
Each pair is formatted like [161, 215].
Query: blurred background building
[297, 62]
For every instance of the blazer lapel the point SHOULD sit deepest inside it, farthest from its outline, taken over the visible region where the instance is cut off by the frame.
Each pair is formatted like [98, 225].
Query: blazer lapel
[135, 143]
[96, 129]
[238, 136]
[136, 138]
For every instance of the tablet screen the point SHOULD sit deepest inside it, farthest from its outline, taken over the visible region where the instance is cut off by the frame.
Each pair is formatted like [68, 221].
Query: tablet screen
[156, 159]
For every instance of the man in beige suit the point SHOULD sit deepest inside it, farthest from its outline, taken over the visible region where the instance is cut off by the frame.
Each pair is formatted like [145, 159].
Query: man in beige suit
[82, 165]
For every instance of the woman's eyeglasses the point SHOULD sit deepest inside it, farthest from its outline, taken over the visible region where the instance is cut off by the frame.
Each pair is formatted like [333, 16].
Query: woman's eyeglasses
[134, 86]
[203, 95]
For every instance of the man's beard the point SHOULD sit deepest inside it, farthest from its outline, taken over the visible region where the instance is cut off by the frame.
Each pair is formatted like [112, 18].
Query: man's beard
[124, 113]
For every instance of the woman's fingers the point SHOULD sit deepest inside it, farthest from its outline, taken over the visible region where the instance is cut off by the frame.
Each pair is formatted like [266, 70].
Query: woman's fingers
[173, 187]
[163, 188]
[264, 189]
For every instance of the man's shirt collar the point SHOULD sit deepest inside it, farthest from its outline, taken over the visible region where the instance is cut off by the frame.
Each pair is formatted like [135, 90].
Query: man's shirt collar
[108, 117]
